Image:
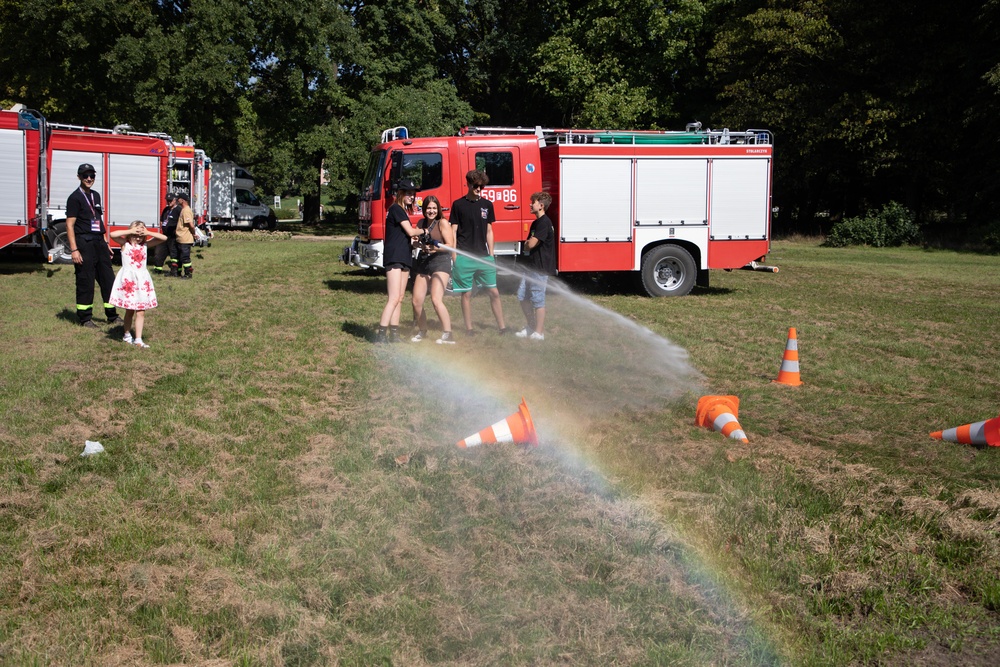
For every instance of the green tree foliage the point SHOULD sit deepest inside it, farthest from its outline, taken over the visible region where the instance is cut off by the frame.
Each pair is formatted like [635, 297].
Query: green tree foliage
[892, 226]
[59, 56]
[619, 63]
[868, 102]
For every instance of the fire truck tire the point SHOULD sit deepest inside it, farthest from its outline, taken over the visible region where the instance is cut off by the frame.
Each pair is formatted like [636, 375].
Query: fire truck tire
[59, 234]
[668, 270]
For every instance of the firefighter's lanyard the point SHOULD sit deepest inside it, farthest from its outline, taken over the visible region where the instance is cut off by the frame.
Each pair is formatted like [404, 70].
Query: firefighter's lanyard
[95, 222]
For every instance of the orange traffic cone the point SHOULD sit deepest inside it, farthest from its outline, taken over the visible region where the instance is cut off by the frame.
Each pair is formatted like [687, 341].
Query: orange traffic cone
[518, 428]
[981, 433]
[719, 413]
[789, 373]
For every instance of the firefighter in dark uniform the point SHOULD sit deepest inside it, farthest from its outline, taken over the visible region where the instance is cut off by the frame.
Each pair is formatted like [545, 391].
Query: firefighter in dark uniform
[89, 247]
[168, 227]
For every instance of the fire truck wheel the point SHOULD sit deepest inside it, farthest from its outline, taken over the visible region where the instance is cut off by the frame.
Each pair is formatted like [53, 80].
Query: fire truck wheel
[59, 232]
[668, 270]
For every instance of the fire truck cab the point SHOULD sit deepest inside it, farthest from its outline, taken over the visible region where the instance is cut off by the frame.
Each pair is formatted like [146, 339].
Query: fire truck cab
[670, 205]
[438, 166]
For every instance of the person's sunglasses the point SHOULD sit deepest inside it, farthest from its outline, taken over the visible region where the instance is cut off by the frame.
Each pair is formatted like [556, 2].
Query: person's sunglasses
[89, 177]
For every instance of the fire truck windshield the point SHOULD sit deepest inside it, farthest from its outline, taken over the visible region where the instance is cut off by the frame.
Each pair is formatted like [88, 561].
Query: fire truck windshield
[373, 176]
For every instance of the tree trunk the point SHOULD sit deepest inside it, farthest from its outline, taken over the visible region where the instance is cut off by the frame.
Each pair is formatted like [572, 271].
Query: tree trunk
[310, 209]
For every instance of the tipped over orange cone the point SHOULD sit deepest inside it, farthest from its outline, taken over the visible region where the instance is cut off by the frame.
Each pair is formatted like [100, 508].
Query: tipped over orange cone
[719, 413]
[789, 373]
[518, 428]
[980, 433]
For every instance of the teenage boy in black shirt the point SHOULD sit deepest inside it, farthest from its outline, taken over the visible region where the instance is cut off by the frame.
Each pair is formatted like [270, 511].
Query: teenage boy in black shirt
[89, 247]
[473, 217]
[541, 264]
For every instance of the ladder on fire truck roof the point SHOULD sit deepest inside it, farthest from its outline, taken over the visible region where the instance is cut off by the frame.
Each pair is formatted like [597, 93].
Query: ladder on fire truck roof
[118, 129]
[693, 134]
[125, 130]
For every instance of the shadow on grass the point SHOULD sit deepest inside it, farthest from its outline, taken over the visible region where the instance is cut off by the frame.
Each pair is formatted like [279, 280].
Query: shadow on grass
[113, 333]
[621, 284]
[366, 284]
[18, 261]
[318, 229]
[711, 291]
[67, 315]
[358, 331]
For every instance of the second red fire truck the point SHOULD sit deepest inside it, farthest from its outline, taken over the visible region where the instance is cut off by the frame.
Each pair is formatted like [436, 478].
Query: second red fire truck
[669, 205]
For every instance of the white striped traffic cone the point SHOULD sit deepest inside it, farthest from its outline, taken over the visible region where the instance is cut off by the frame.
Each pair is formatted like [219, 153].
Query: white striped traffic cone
[980, 433]
[789, 373]
[517, 428]
[719, 413]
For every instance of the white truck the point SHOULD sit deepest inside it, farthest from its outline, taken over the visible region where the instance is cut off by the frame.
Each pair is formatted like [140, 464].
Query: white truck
[232, 202]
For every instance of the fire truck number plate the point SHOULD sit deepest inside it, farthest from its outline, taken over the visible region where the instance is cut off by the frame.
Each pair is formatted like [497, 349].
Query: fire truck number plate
[506, 195]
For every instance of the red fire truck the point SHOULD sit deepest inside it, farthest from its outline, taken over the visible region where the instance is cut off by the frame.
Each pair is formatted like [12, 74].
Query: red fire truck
[23, 177]
[190, 173]
[38, 165]
[131, 175]
[670, 205]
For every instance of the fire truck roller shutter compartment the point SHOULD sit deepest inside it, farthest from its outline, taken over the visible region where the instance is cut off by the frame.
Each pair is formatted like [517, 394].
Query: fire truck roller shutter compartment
[13, 179]
[671, 192]
[739, 211]
[671, 202]
[595, 214]
[64, 180]
[130, 197]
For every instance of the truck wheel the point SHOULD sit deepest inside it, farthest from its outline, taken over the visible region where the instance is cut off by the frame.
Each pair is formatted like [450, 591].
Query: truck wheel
[260, 222]
[59, 244]
[668, 270]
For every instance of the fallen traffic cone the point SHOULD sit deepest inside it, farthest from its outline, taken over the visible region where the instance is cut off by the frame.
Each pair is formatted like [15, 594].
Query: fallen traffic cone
[719, 413]
[518, 428]
[789, 373]
[981, 433]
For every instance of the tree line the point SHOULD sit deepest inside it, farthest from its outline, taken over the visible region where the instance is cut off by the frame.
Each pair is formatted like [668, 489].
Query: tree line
[869, 103]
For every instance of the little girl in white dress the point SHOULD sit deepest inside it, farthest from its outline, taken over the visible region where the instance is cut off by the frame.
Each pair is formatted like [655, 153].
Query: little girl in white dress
[133, 288]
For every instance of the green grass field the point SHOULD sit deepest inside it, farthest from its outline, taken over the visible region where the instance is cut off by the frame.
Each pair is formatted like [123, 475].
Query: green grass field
[277, 490]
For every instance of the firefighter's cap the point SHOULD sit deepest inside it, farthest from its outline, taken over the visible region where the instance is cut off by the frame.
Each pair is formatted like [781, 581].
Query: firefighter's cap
[170, 196]
[407, 184]
[85, 168]
[184, 197]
